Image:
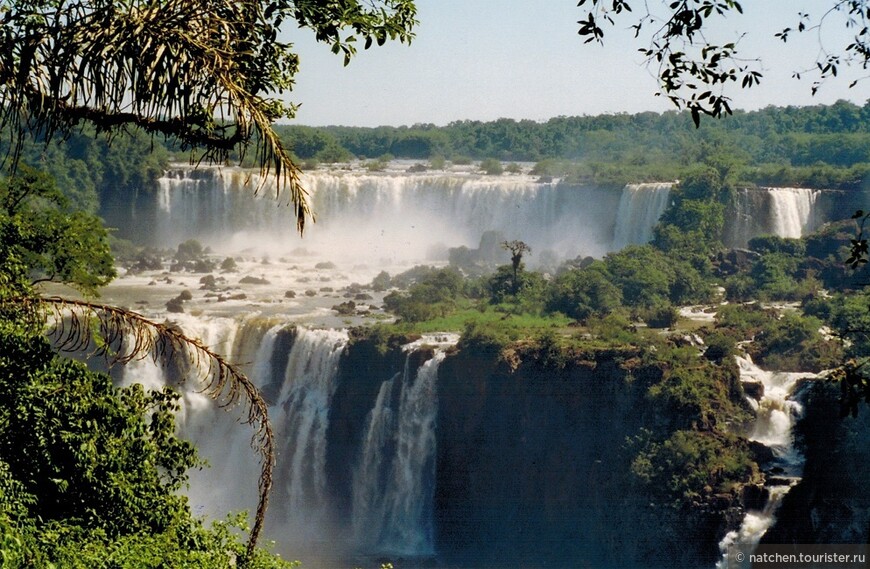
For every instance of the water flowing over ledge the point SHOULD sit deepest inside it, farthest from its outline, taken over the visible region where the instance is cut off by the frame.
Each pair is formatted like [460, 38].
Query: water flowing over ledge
[297, 370]
[776, 414]
[394, 216]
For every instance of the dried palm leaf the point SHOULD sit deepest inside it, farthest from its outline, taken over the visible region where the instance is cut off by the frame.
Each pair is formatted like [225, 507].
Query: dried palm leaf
[121, 336]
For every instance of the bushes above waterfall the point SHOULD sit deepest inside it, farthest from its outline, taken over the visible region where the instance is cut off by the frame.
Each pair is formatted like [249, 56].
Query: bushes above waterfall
[783, 340]
[433, 293]
[583, 293]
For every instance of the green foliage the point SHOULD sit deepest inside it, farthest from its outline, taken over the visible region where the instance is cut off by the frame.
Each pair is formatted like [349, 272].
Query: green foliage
[773, 276]
[788, 146]
[229, 265]
[437, 162]
[216, 547]
[690, 466]
[550, 352]
[218, 91]
[190, 250]
[786, 341]
[745, 320]
[615, 327]
[691, 227]
[774, 244]
[792, 342]
[91, 474]
[850, 317]
[432, 295]
[481, 339]
[381, 282]
[491, 167]
[378, 165]
[332, 154]
[523, 288]
[720, 347]
[191, 256]
[662, 315]
[84, 449]
[648, 277]
[39, 231]
[581, 293]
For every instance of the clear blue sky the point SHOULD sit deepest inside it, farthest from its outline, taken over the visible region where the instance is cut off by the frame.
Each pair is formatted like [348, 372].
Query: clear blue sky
[523, 59]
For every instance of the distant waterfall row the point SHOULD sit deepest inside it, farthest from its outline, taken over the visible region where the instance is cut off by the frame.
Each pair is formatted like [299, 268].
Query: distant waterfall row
[640, 208]
[297, 370]
[386, 217]
[786, 212]
[389, 217]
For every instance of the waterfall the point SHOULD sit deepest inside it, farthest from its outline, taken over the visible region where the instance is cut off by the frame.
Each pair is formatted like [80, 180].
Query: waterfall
[297, 369]
[393, 216]
[792, 211]
[300, 420]
[786, 212]
[776, 413]
[229, 482]
[393, 486]
[640, 208]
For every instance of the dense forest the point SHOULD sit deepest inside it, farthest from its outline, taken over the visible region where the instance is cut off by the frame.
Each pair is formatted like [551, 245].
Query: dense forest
[784, 146]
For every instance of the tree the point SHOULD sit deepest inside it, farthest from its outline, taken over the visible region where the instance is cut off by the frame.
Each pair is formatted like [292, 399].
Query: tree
[40, 232]
[517, 249]
[491, 167]
[693, 72]
[581, 293]
[205, 73]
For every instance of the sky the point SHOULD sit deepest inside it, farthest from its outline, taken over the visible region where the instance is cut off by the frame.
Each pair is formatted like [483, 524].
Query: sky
[523, 59]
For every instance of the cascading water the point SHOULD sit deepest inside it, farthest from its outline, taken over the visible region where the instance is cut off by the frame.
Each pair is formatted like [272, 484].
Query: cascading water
[392, 491]
[379, 216]
[300, 418]
[389, 217]
[785, 212]
[393, 486]
[640, 208]
[792, 211]
[776, 413]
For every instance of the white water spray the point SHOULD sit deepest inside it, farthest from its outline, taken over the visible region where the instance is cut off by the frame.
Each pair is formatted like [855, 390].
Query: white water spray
[300, 419]
[640, 208]
[776, 414]
[393, 487]
[792, 211]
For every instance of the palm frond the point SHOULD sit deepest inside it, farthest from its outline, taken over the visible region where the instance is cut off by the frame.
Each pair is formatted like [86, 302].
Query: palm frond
[201, 72]
[121, 336]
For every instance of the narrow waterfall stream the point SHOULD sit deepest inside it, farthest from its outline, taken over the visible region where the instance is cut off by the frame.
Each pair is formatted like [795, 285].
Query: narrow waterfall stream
[776, 414]
[394, 485]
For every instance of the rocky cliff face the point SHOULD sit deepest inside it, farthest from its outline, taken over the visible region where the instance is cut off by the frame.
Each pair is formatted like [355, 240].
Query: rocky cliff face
[535, 460]
[534, 466]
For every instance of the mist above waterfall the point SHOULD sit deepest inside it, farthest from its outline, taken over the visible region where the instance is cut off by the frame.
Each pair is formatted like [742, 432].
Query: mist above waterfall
[393, 218]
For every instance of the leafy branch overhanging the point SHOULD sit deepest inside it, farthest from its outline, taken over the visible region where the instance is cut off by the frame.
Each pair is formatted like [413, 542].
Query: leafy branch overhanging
[121, 336]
